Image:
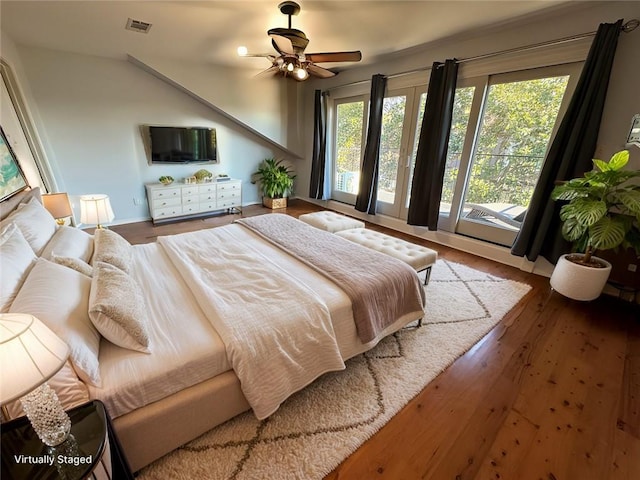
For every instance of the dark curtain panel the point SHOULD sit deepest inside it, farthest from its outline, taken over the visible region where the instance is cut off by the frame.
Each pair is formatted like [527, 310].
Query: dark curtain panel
[368, 191]
[318, 161]
[571, 152]
[431, 156]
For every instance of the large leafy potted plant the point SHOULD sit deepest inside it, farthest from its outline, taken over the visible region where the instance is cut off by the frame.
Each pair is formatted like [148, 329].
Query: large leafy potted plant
[276, 182]
[602, 213]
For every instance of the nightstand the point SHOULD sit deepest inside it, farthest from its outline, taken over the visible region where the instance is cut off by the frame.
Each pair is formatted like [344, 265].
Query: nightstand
[91, 451]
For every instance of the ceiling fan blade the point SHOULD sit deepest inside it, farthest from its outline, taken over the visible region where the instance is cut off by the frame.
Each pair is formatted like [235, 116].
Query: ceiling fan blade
[282, 44]
[334, 57]
[268, 72]
[260, 55]
[319, 71]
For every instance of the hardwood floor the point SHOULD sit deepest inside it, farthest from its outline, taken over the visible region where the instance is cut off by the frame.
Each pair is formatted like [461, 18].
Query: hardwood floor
[551, 393]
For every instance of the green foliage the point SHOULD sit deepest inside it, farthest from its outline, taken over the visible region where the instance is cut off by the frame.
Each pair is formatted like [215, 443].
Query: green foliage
[515, 129]
[202, 174]
[516, 125]
[275, 179]
[603, 210]
[350, 118]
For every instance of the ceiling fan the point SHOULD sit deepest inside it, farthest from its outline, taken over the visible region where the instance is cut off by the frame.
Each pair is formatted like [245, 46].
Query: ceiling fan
[291, 60]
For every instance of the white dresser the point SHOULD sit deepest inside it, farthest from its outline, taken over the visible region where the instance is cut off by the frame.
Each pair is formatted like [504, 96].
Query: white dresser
[185, 200]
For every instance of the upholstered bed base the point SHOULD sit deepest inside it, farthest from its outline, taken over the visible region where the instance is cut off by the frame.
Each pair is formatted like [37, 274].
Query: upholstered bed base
[150, 432]
[156, 429]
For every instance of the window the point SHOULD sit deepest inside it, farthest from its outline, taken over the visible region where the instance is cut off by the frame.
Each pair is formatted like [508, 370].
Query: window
[459, 126]
[349, 140]
[515, 128]
[399, 113]
[501, 129]
[393, 110]
[416, 138]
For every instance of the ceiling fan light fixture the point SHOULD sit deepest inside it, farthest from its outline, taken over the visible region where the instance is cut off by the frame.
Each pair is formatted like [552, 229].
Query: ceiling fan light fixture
[242, 51]
[290, 67]
[302, 74]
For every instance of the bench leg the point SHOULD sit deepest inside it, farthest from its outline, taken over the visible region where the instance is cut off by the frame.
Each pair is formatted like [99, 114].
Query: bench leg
[427, 274]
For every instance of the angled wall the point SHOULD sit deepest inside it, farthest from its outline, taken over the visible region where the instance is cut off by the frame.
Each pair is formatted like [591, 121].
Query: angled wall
[91, 109]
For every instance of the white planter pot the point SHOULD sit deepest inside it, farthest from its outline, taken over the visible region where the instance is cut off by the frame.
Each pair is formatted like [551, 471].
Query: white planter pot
[578, 281]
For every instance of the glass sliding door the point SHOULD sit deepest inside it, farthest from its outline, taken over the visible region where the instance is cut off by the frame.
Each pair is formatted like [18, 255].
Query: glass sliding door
[466, 107]
[501, 129]
[393, 111]
[397, 108]
[515, 128]
[349, 137]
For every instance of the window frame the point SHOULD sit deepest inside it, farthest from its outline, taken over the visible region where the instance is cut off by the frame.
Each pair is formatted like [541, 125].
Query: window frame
[496, 234]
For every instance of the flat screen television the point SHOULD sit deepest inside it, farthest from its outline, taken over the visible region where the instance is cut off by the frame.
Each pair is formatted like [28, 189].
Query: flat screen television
[183, 145]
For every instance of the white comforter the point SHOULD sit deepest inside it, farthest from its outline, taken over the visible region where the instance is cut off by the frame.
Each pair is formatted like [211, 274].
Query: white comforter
[277, 333]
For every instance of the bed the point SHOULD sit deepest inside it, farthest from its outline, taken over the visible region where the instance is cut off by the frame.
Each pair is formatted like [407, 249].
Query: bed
[180, 335]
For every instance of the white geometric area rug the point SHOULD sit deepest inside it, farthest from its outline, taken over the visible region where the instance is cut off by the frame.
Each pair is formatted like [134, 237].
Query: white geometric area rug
[317, 428]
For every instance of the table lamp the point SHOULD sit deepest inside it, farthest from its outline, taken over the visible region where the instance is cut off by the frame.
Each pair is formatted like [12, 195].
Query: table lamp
[30, 354]
[58, 206]
[95, 210]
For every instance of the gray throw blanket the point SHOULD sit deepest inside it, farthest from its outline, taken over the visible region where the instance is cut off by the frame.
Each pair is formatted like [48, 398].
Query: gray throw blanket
[381, 288]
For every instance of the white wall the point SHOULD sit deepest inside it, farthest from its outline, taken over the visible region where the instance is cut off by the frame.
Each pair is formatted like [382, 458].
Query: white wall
[623, 98]
[260, 103]
[91, 109]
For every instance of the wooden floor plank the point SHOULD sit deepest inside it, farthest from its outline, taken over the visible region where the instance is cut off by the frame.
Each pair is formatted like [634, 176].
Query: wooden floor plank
[629, 413]
[624, 464]
[552, 392]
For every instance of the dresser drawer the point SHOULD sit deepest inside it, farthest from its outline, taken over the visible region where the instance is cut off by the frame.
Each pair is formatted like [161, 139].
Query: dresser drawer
[189, 191]
[207, 197]
[191, 209]
[227, 195]
[228, 202]
[167, 212]
[166, 193]
[208, 205]
[229, 186]
[190, 200]
[166, 202]
[210, 189]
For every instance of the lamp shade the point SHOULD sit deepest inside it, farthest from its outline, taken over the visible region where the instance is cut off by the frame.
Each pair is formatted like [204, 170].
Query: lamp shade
[95, 209]
[57, 204]
[30, 354]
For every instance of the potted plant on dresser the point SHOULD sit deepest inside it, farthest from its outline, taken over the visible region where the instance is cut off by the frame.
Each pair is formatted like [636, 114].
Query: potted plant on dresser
[602, 213]
[276, 182]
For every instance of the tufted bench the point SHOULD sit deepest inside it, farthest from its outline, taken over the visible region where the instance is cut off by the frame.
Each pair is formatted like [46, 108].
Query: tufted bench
[330, 221]
[419, 257]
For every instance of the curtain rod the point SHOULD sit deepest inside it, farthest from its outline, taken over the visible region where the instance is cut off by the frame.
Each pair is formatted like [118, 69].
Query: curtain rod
[626, 27]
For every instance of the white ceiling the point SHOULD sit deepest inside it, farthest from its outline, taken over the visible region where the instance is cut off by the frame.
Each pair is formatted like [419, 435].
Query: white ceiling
[211, 31]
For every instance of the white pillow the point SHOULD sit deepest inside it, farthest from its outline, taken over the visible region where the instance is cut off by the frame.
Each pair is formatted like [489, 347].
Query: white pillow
[69, 242]
[117, 309]
[59, 297]
[70, 390]
[112, 248]
[16, 260]
[74, 263]
[35, 222]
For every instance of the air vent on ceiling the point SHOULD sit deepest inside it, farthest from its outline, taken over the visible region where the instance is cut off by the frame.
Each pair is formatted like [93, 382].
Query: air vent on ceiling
[138, 26]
